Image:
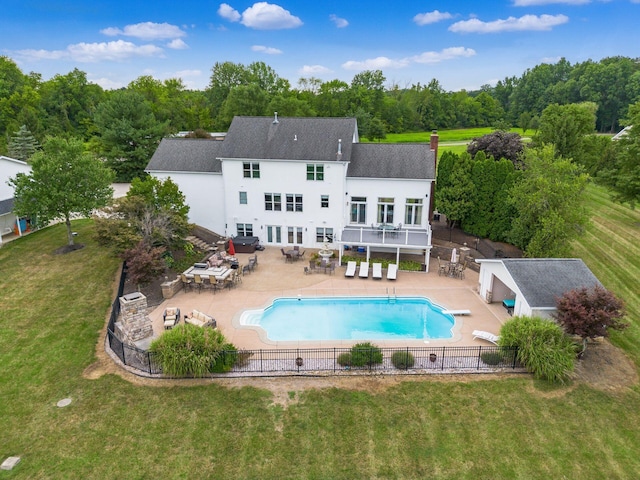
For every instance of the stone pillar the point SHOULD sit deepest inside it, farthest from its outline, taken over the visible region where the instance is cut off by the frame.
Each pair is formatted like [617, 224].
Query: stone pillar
[135, 324]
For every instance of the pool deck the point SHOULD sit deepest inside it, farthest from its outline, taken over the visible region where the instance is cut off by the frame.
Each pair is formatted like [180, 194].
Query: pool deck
[275, 278]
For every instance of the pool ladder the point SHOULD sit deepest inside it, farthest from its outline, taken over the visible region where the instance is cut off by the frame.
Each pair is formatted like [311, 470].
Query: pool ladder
[392, 296]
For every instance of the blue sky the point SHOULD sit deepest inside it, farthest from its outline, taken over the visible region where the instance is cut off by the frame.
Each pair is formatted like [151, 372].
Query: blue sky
[462, 44]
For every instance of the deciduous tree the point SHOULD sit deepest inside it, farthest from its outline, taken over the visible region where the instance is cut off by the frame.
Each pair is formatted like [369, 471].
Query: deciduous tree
[64, 180]
[590, 313]
[548, 203]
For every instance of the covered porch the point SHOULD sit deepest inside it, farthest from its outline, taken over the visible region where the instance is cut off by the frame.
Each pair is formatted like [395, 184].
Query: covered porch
[398, 240]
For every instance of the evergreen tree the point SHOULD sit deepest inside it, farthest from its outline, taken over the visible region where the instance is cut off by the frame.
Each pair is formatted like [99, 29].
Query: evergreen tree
[23, 145]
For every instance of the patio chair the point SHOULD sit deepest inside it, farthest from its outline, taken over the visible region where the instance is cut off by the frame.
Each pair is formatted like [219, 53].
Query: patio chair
[198, 282]
[443, 268]
[246, 268]
[392, 271]
[186, 282]
[377, 271]
[489, 337]
[364, 270]
[330, 268]
[312, 266]
[351, 269]
[171, 317]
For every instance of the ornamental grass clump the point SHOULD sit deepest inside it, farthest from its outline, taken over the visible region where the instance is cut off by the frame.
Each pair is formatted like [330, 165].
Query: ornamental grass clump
[403, 359]
[189, 350]
[365, 354]
[543, 347]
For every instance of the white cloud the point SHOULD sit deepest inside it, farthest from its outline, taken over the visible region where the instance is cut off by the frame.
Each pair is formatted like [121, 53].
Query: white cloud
[107, 83]
[263, 16]
[314, 70]
[338, 22]
[96, 52]
[229, 13]
[375, 64]
[444, 54]
[177, 44]
[532, 3]
[511, 24]
[188, 73]
[431, 17]
[424, 57]
[146, 31]
[267, 50]
[42, 54]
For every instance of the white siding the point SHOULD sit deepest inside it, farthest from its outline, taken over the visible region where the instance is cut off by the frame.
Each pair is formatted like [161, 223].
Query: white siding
[284, 177]
[9, 168]
[399, 190]
[204, 193]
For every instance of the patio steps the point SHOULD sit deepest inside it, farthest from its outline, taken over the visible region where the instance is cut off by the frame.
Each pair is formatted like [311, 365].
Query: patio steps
[200, 244]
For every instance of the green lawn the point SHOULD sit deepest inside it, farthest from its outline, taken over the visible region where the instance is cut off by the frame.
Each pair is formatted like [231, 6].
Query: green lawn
[455, 135]
[53, 308]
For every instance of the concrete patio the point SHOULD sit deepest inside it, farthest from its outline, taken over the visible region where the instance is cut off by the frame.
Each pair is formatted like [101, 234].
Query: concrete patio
[275, 278]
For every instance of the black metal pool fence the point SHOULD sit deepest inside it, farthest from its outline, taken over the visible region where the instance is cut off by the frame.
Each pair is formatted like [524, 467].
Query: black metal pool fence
[310, 361]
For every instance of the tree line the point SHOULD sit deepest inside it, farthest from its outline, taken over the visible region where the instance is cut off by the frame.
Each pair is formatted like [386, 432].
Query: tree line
[125, 125]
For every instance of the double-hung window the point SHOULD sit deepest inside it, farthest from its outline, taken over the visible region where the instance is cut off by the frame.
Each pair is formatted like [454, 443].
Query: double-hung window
[251, 169]
[243, 198]
[244, 229]
[273, 202]
[324, 234]
[324, 201]
[294, 202]
[315, 172]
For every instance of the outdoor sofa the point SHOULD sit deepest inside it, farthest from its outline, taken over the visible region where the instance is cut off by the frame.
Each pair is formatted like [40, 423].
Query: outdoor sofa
[200, 319]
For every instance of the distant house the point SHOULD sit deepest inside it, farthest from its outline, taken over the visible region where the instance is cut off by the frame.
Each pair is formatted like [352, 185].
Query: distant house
[305, 181]
[9, 168]
[533, 284]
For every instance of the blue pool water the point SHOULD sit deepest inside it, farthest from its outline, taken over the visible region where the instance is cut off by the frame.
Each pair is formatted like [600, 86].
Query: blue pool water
[352, 318]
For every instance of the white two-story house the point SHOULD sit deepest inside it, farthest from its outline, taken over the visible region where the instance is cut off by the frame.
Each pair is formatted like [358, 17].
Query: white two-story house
[305, 181]
[9, 168]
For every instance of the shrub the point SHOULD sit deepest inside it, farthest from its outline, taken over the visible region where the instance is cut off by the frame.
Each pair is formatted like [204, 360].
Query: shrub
[543, 347]
[188, 350]
[365, 354]
[492, 358]
[344, 359]
[403, 359]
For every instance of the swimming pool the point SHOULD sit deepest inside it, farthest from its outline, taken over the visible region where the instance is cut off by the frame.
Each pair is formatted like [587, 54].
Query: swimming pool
[351, 318]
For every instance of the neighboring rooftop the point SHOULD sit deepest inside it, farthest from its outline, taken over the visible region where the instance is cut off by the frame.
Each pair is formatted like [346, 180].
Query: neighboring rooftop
[6, 206]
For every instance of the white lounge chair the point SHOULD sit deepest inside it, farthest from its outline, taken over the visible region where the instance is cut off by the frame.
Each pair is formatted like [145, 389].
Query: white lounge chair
[489, 337]
[351, 269]
[392, 271]
[364, 270]
[377, 270]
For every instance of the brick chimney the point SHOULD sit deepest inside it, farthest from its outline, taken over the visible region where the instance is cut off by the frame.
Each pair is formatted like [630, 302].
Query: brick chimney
[433, 145]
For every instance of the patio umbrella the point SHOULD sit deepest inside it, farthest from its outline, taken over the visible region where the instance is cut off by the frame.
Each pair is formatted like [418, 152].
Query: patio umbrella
[232, 249]
[454, 256]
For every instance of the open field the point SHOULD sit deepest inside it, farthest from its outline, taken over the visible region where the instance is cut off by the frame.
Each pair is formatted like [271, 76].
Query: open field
[457, 135]
[611, 249]
[469, 427]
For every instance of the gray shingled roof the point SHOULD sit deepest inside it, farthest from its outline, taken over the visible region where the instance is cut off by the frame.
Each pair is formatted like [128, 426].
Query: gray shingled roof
[6, 206]
[291, 138]
[371, 160]
[186, 155]
[542, 280]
